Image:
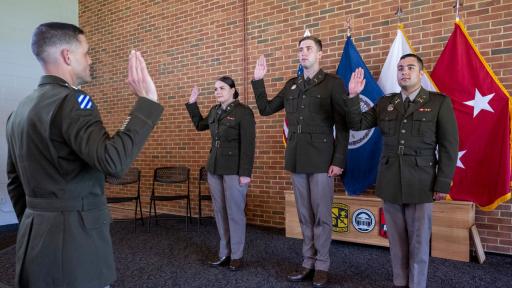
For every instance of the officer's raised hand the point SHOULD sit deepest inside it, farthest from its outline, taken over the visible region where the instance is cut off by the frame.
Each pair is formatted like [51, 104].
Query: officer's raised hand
[357, 82]
[261, 68]
[139, 80]
[193, 95]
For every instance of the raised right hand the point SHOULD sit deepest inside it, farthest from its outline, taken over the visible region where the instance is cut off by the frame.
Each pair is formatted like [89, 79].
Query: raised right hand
[194, 94]
[139, 80]
[261, 68]
[357, 82]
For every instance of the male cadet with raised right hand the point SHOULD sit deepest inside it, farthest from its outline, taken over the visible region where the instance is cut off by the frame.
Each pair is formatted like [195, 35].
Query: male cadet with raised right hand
[58, 155]
[314, 104]
[414, 124]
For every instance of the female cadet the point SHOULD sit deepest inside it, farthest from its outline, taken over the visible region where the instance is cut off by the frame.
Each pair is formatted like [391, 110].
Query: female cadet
[230, 162]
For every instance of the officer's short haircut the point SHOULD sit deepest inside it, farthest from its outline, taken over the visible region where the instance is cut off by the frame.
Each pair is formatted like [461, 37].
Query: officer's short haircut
[231, 83]
[317, 41]
[418, 58]
[52, 34]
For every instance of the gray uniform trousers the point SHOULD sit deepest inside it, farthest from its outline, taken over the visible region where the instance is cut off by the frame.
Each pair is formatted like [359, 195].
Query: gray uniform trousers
[313, 197]
[409, 228]
[229, 208]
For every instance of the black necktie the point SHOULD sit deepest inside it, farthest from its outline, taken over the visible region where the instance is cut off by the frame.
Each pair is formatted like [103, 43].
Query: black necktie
[308, 83]
[407, 103]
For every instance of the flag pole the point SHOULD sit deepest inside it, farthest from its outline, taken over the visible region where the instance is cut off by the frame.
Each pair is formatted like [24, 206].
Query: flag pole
[456, 6]
[399, 13]
[349, 26]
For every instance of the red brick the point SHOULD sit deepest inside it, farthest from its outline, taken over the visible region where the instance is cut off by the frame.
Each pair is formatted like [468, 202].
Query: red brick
[498, 249]
[184, 46]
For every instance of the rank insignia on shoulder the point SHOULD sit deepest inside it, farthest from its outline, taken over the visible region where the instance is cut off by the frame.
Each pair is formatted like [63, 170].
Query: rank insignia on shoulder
[125, 123]
[391, 107]
[84, 101]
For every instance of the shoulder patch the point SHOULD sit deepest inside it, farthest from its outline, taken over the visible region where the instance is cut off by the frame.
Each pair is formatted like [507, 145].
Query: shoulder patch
[84, 101]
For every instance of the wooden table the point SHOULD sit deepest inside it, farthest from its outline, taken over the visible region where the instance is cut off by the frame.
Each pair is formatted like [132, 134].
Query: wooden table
[356, 219]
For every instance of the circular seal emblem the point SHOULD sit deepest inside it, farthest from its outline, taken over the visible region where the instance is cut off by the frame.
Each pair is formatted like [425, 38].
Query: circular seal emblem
[363, 220]
[358, 138]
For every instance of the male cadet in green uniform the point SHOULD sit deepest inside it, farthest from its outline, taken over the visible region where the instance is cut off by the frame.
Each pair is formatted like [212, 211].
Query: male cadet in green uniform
[313, 103]
[58, 155]
[414, 123]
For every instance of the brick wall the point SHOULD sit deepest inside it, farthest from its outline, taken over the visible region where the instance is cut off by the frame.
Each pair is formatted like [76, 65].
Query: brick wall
[194, 42]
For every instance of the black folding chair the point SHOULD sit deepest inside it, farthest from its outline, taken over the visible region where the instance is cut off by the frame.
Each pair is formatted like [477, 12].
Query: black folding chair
[132, 176]
[170, 175]
[202, 180]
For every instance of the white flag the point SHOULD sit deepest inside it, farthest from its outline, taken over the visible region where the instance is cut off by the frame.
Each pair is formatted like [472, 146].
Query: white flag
[387, 80]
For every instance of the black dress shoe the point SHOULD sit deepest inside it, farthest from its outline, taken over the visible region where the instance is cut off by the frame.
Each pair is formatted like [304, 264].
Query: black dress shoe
[235, 264]
[320, 279]
[221, 262]
[303, 274]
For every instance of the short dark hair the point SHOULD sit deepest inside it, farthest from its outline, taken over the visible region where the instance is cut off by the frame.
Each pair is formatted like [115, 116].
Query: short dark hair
[317, 41]
[418, 58]
[52, 34]
[231, 83]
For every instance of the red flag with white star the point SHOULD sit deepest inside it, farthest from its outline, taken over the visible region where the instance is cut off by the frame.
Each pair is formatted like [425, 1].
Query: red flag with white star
[482, 108]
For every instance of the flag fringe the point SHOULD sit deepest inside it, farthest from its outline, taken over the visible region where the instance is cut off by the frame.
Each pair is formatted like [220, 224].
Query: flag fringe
[459, 23]
[477, 52]
[496, 203]
[493, 205]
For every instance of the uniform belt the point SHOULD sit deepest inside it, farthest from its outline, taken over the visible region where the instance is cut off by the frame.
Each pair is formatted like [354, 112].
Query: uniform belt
[310, 129]
[403, 150]
[57, 205]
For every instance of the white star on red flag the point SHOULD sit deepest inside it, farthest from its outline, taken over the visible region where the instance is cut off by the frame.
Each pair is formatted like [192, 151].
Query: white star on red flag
[480, 103]
[459, 162]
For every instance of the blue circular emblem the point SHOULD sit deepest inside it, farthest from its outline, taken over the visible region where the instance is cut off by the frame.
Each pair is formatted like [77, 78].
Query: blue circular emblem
[363, 220]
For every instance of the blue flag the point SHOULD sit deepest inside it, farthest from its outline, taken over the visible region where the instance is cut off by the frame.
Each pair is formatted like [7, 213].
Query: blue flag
[364, 146]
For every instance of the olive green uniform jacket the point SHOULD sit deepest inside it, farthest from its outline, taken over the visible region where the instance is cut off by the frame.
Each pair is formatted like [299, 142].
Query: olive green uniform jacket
[410, 168]
[233, 137]
[311, 112]
[58, 155]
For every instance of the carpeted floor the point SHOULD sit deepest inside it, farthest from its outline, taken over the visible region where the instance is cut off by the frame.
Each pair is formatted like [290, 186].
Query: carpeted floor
[7, 238]
[171, 257]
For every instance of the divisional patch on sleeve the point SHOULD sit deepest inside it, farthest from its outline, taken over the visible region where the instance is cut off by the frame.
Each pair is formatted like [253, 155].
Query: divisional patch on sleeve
[84, 101]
